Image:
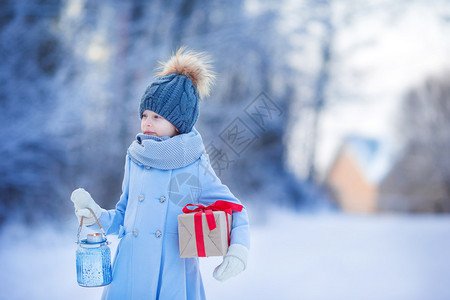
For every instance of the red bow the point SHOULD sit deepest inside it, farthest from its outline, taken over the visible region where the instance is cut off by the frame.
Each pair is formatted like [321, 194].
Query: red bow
[227, 207]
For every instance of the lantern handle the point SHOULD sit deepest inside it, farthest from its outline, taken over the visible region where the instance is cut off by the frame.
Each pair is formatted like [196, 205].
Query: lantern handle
[96, 220]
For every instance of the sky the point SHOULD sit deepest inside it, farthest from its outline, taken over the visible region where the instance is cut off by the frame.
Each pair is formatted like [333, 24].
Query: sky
[379, 56]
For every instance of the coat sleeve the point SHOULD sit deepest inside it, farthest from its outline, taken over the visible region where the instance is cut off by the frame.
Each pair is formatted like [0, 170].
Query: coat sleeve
[213, 190]
[112, 219]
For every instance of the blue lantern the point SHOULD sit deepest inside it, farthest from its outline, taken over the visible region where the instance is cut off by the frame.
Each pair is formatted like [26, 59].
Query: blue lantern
[93, 258]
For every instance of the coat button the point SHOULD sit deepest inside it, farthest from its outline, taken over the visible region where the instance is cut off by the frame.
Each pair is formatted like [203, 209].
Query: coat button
[147, 167]
[135, 233]
[162, 199]
[141, 198]
[158, 234]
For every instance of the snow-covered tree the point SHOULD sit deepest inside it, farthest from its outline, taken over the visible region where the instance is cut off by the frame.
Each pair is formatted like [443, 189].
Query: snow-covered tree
[425, 129]
[31, 156]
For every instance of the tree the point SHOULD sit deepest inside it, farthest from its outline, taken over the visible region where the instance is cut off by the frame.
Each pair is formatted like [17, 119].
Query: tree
[31, 156]
[425, 130]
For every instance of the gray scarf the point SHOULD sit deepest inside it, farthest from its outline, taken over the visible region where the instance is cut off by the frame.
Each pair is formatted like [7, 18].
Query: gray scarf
[167, 153]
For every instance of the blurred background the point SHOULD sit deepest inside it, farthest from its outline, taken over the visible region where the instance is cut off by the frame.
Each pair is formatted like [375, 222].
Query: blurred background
[330, 118]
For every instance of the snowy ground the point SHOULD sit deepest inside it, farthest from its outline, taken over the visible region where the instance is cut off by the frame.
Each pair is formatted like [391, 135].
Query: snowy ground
[292, 257]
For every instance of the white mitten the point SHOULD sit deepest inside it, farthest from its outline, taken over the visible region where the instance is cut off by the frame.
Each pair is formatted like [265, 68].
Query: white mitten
[82, 200]
[234, 262]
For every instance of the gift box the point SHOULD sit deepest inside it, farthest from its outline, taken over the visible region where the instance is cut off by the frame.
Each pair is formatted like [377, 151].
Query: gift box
[215, 241]
[205, 231]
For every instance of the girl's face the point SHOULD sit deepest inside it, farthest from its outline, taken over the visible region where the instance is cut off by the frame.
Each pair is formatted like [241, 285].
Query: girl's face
[154, 124]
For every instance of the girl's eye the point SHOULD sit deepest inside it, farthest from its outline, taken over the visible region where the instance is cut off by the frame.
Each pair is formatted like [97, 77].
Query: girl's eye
[157, 117]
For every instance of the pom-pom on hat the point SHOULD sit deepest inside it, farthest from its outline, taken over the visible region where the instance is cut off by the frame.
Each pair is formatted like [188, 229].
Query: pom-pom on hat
[182, 82]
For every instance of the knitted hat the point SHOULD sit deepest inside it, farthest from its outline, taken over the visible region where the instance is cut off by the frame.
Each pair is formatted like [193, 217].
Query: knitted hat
[175, 94]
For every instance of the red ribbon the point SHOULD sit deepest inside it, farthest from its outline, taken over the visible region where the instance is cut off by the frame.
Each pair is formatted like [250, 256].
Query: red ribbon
[227, 207]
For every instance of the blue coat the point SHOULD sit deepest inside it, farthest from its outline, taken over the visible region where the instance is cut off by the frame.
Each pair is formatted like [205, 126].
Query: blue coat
[147, 264]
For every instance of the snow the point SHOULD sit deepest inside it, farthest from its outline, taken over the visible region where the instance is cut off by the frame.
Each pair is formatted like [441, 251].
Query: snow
[293, 256]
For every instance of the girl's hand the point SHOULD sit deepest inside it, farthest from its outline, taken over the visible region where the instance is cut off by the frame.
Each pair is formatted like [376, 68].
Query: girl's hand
[82, 200]
[234, 262]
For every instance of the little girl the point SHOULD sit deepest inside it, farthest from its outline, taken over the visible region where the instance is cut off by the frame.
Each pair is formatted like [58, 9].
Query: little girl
[168, 152]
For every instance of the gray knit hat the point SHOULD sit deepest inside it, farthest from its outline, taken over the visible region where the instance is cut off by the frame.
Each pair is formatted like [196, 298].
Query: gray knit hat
[175, 94]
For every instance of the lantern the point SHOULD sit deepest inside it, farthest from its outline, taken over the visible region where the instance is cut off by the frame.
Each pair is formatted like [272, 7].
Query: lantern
[93, 258]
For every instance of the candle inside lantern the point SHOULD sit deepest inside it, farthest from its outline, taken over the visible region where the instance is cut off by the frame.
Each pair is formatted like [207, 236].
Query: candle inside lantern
[94, 238]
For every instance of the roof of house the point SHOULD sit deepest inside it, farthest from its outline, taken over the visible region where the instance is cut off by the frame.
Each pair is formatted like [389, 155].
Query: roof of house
[373, 156]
